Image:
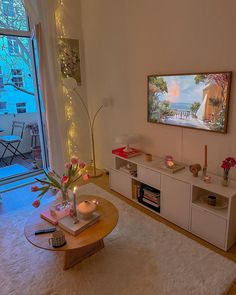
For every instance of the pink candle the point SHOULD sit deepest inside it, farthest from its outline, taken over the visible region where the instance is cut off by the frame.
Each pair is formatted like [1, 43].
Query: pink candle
[205, 156]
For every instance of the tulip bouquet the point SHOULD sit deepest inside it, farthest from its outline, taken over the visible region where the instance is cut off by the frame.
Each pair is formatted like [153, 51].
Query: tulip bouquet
[226, 165]
[74, 171]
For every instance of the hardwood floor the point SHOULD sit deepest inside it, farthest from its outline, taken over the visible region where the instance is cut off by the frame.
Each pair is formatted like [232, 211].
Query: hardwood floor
[25, 197]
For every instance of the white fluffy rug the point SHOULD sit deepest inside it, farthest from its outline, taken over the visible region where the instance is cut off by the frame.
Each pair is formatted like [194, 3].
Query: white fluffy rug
[141, 256]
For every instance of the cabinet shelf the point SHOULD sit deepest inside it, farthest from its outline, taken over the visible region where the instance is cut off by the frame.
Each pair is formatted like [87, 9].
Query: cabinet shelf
[144, 206]
[199, 198]
[183, 198]
[146, 195]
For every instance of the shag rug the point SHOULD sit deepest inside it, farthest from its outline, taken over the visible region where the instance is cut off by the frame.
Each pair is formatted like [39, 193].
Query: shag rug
[141, 256]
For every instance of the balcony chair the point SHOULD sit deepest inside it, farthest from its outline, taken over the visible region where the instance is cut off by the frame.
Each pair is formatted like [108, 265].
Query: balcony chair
[12, 142]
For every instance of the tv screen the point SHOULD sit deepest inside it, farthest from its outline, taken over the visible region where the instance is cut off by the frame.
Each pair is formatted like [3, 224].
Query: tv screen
[198, 100]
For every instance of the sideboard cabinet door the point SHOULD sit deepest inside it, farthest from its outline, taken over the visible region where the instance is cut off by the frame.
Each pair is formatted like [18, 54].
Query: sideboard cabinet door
[175, 201]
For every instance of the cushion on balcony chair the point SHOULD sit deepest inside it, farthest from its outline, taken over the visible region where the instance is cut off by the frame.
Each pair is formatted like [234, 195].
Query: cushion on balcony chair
[10, 138]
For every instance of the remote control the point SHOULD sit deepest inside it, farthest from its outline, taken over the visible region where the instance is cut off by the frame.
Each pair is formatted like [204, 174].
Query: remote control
[45, 231]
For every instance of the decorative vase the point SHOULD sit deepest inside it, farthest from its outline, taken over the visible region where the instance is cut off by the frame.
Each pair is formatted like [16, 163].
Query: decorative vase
[64, 197]
[225, 180]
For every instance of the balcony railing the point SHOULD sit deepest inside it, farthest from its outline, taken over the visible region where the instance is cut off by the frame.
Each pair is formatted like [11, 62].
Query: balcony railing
[30, 145]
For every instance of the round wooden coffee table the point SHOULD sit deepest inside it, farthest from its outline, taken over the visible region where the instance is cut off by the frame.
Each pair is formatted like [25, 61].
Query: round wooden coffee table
[84, 244]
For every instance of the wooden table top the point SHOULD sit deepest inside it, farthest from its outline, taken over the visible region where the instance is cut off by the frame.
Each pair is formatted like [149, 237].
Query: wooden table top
[107, 222]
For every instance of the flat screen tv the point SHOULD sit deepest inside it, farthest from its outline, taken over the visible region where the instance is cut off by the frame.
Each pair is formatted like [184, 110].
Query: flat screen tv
[199, 100]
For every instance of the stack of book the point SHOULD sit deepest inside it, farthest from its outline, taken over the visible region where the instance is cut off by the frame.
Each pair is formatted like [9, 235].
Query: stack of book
[122, 153]
[67, 223]
[148, 196]
[53, 216]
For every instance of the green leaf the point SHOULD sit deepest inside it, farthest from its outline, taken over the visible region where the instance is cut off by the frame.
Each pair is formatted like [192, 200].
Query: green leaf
[44, 181]
[53, 181]
[44, 190]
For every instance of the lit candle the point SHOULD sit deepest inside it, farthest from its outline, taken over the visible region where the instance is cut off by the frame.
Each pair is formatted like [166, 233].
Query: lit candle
[169, 161]
[205, 156]
[74, 205]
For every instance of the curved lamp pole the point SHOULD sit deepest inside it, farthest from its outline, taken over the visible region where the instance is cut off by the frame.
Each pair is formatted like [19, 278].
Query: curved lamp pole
[70, 84]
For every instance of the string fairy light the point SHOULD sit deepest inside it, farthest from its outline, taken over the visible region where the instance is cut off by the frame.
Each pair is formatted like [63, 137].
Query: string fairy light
[72, 128]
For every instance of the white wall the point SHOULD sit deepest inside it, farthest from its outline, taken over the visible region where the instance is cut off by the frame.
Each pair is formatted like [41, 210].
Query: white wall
[70, 12]
[127, 40]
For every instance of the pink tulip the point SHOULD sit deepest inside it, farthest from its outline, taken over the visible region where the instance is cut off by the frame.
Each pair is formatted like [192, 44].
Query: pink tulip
[34, 188]
[85, 177]
[64, 179]
[36, 203]
[74, 160]
[82, 165]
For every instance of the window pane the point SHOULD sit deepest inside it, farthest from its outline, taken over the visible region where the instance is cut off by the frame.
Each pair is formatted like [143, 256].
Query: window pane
[3, 105]
[21, 104]
[17, 73]
[13, 15]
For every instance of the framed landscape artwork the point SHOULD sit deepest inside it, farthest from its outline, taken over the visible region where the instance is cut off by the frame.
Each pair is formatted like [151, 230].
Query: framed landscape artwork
[198, 100]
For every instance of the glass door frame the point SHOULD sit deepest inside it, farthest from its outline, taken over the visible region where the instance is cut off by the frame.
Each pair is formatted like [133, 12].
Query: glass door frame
[38, 101]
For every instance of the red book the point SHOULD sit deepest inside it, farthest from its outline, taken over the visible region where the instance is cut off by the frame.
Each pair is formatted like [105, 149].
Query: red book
[132, 153]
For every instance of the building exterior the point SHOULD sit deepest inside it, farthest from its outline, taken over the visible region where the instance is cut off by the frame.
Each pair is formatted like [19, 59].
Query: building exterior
[16, 81]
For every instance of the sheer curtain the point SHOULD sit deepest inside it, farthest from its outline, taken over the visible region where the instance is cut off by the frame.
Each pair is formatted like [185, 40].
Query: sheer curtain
[42, 14]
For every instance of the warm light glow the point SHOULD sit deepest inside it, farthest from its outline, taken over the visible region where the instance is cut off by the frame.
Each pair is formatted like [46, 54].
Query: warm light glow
[169, 163]
[75, 189]
[71, 127]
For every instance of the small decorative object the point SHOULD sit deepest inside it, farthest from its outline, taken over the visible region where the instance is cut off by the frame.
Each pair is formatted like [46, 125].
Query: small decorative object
[58, 239]
[226, 165]
[207, 179]
[127, 139]
[211, 200]
[148, 157]
[169, 161]
[195, 168]
[74, 171]
[86, 208]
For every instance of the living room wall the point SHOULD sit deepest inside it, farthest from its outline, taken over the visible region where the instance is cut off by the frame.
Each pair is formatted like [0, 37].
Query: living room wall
[124, 41]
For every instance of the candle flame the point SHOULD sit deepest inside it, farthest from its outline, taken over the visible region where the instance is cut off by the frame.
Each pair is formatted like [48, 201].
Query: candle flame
[75, 189]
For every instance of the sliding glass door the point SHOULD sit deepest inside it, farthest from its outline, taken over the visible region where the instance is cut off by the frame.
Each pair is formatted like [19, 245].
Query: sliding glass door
[23, 148]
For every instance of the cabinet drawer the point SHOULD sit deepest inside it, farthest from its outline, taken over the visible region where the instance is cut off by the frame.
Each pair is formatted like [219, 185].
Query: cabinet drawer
[121, 183]
[209, 226]
[149, 176]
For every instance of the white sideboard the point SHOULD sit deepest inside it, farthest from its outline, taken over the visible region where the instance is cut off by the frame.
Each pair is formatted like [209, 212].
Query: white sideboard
[183, 198]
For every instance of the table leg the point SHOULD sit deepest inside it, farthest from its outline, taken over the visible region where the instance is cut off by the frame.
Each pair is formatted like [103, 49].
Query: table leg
[73, 257]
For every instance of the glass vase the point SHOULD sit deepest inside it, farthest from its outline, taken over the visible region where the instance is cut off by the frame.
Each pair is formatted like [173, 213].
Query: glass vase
[225, 179]
[64, 199]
